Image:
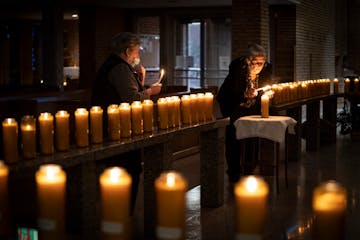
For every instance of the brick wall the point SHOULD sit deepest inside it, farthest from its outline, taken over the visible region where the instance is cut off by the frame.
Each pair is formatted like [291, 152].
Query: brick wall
[250, 24]
[353, 61]
[315, 39]
[283, 39]
[97, 27]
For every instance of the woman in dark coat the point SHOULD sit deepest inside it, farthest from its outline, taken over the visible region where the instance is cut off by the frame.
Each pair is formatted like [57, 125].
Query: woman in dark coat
[238, 96]
[121, 79]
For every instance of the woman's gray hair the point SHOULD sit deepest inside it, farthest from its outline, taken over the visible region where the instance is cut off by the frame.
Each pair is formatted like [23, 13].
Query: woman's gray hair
[123, 41]
[255, 50]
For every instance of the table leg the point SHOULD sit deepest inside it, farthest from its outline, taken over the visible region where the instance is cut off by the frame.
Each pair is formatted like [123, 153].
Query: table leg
[329, 115]
[212, 154]
[293, 141]
[313, 126]
[157, 158]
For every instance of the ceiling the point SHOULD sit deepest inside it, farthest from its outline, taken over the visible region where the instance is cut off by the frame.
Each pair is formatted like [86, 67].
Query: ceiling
[25, 9]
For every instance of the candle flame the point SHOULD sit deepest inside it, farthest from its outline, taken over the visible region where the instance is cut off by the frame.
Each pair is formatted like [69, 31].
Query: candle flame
[114, 174]
[62, 113]
[170, 179]
[251, 184]
[50, 170]
[162, 72]
[9, 120]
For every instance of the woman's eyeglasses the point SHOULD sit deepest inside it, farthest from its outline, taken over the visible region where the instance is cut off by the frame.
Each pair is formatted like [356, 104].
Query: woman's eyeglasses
[259, 64]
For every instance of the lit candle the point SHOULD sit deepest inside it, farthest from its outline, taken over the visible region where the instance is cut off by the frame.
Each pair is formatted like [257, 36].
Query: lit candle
[336, 85]
[171, 111]
[82, 127]
[10, 140]
[185, 109]
[113, 114]
[28, 136]
[115, 185]
[46, 132]
[176, 101]
[356, 85]
[201, 106]
[280, 95]
[62, 130]
[170, 190]
[347, 85]
[51, 183]
[136, 118]
[125, 120]
[209, 102]
[329, 205]
[264, 106]
[194, 109]
[162, 107]
[4, 202]
[251, 203]
[148, 115]
[96, 124]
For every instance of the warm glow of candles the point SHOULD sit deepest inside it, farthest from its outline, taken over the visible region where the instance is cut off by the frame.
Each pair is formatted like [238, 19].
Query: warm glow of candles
[115, 185]
[329, 205]
[113, 114]
[148, 115]
[28, 136]
[62, 130]
[251, 203]
[171, 111]
[136, 118]
[10, 140]
[185, 109]
[125, 120]
[201, 106]
[347, 85]
[170, 190]
[96, 124]
[162, 109]
[336, 85]
[264, 106]
[51, 184]
[82, 127]
[46, 133]
[356, 85]
[209, 102]
[194, 109]
[177, 117]
[4, 200]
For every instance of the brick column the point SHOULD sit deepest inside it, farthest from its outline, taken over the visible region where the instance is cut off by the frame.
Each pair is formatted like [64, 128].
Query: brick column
[250, 24]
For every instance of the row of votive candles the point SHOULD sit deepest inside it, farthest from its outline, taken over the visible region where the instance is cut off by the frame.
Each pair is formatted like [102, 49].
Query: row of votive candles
[124, 120]
[351, 86]
[251, 193]
[115, 190]
[293, 91]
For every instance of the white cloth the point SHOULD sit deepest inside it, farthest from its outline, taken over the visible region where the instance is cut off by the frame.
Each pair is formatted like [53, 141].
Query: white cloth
[272, 128]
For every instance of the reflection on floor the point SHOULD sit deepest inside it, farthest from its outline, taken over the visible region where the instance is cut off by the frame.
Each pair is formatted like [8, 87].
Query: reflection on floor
[288, 210]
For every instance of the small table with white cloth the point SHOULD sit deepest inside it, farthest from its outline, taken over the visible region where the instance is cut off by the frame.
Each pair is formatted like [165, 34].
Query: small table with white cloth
[273, 128]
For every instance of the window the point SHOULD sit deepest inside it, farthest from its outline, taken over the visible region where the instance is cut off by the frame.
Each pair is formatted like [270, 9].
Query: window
[203, 52]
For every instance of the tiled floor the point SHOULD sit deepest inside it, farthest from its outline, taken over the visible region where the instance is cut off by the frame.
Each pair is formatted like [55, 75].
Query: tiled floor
[289, 209]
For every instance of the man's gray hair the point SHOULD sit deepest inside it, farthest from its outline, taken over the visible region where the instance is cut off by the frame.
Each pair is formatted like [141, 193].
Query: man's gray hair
[123, 41]
[255, 50]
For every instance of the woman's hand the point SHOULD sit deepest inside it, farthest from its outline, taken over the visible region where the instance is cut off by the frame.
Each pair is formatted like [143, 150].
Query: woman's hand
[142, 72]
[251, 93]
